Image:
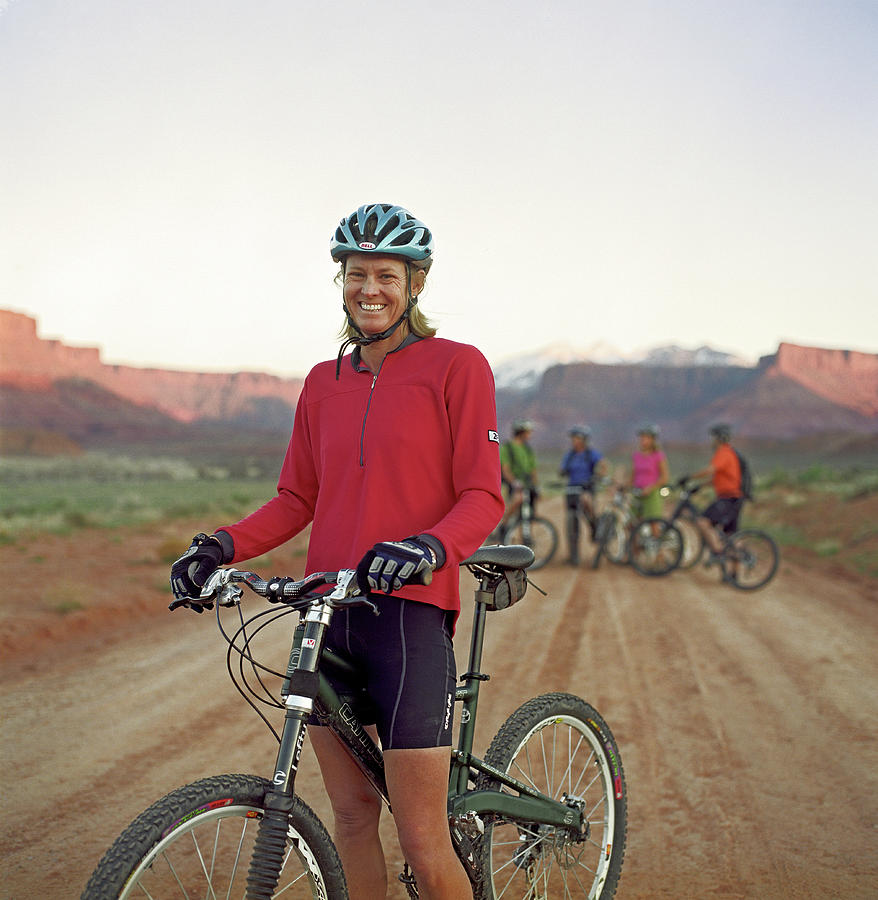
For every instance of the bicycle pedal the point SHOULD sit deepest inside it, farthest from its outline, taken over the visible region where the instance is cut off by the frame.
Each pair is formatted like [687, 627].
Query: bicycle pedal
[407, 877]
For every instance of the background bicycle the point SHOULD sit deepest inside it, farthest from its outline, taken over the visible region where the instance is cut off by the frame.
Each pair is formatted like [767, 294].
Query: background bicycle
[613, 523]
[528, 529]
[652, 546]
[544, 814]
[748, 558]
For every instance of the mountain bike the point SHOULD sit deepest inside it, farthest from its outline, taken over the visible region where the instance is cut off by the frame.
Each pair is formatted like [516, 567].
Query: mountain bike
[528, 529]
[544, 814]
[748, 558]
[612, 528]
[651, 546]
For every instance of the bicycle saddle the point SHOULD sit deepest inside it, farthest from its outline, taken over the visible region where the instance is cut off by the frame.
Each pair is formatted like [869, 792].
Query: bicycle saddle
[506, 556]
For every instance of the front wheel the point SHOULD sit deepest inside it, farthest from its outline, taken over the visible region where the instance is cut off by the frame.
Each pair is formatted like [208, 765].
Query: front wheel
[656, 547]
[616, 545]
[603, 531]
[750, 559]
[559, 745]
[537, 533]
[198, 842]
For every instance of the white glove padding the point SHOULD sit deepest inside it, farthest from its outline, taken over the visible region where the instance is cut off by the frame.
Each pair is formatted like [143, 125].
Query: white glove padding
[391, 564]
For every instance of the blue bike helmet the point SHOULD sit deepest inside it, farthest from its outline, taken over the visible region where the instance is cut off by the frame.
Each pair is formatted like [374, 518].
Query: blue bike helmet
[384, 229]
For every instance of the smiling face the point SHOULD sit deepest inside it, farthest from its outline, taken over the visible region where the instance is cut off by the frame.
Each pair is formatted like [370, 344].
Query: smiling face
[375, 290]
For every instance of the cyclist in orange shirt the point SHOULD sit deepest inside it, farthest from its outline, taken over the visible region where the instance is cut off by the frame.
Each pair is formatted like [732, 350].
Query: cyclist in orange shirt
[725, 474]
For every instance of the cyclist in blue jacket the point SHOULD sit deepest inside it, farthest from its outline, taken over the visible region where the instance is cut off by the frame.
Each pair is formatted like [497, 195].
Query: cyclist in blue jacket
[581, 463]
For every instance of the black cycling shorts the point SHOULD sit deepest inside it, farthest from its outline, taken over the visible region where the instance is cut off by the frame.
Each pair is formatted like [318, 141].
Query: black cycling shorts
[724, 513]
[406, 660]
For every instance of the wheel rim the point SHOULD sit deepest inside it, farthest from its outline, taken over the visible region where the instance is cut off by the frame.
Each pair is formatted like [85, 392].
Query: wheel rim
[559, 756]
[657, 547]
[209, 856]
[751, 560]
[536, 534]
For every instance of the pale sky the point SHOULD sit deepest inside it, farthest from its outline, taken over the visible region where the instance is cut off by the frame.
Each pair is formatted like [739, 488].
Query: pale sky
[628, 172]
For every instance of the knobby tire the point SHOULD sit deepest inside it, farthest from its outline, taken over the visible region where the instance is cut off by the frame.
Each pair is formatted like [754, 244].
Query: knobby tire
[616, 547]
[750, 559]
[197, 842]
[558, 744]
[602, 530]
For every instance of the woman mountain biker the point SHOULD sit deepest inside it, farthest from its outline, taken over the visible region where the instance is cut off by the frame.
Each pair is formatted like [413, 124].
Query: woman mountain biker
[394, 461]
[649, 473]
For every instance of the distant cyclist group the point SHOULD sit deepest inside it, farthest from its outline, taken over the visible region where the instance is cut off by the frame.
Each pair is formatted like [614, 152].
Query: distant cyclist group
[586, 470]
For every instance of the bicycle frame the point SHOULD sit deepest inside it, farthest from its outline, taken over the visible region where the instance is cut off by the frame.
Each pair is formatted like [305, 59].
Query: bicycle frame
[306, 689]
[684, 504]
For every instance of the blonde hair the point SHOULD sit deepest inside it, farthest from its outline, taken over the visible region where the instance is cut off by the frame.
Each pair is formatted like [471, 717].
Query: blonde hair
[419, 324]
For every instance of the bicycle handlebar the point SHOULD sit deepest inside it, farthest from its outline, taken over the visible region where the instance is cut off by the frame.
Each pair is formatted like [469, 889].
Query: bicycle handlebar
[223, 587]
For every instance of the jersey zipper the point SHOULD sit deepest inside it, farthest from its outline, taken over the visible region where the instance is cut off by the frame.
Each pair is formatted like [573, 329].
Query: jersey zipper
[366, 414]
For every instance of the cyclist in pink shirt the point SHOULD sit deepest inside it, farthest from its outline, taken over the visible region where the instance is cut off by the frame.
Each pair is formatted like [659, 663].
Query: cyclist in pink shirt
[649, 473]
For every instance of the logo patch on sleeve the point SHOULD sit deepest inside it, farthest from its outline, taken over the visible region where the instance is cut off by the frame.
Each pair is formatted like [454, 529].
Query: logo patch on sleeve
[494, 436]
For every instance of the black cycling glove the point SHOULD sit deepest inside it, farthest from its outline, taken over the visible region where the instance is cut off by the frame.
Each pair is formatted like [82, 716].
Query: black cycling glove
[193, 568]
[391, 564]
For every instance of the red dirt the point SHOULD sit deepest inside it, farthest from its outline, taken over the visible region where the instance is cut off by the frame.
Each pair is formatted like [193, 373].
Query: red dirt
[747, 723]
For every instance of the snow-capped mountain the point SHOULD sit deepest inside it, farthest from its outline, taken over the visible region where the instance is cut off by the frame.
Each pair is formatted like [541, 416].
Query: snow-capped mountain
[524, 371]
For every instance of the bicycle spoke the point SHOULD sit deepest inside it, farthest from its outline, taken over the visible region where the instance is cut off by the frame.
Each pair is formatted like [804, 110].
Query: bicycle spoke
[207, 874]
[174, 873]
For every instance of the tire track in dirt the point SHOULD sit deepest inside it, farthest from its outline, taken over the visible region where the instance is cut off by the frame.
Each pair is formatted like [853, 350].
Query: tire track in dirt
[747, 727]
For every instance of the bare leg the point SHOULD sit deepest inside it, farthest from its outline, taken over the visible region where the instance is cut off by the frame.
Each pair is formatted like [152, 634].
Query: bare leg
[711, 536]
[356, 808]
[417, 781]
[513, 505]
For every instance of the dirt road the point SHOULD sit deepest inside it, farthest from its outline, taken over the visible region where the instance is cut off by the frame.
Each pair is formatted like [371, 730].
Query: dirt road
[747, 723]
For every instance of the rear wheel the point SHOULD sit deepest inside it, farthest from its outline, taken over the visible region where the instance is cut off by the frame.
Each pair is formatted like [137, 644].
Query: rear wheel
[656, 547]
[559, 745]
[537, 533]
[693, 541]
[198, 842]
[750, 559]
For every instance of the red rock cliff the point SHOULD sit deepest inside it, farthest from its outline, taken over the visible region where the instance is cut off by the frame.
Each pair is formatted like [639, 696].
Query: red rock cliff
[846, 377]
[28, 361]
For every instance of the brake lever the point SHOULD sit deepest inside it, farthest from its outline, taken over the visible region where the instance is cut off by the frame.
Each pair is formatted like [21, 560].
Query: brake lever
[347, 592]
[219, 588]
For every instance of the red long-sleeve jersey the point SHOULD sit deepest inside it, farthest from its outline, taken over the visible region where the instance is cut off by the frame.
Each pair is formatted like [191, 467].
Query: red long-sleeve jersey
[411, 450]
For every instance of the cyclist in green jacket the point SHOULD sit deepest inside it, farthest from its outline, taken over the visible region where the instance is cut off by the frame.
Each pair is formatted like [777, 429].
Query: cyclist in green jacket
[518, 466]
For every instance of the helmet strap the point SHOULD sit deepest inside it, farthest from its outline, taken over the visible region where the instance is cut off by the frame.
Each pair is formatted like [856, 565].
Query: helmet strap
[361, 339]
